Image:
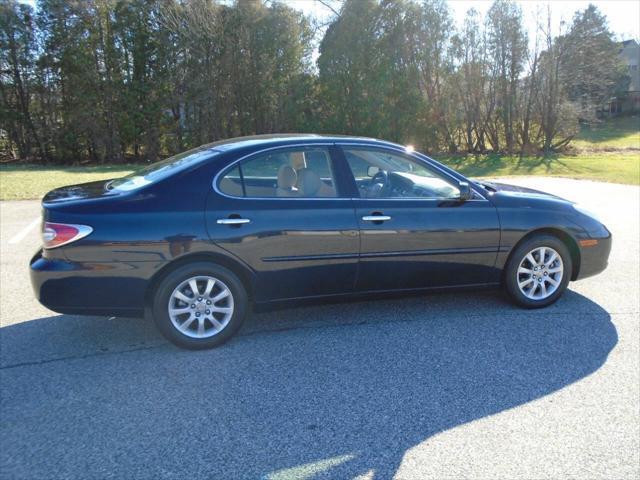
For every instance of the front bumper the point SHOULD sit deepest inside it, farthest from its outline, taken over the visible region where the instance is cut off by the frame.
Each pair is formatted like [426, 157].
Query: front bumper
[594, 256]
[88, 288]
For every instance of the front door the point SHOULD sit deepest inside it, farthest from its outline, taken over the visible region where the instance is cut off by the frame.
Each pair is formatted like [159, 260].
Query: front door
[281, 213]
[415, 232]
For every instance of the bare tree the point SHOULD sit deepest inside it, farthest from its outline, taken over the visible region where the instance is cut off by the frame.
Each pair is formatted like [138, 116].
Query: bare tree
[557, 118]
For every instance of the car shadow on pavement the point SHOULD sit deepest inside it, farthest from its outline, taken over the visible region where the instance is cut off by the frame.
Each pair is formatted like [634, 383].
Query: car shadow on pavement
[331, 391]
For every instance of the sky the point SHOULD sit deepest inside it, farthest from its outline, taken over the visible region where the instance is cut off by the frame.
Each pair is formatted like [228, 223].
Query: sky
[623, 15]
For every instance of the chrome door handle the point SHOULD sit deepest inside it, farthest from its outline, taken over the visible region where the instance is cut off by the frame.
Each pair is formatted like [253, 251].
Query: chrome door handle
[376, 218]
[232, 221]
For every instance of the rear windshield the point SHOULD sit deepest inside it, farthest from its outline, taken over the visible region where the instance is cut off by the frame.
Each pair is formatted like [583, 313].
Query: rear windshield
[162, 169]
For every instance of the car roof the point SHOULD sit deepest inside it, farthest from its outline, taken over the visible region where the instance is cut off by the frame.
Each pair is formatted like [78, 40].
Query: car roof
[283, 139]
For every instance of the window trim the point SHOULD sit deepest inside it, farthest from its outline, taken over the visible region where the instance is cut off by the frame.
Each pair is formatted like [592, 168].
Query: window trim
[340, 145]
[227, 168]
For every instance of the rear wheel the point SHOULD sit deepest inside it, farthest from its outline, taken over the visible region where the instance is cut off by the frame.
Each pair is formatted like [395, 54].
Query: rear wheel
[538, 271]
[199, 305]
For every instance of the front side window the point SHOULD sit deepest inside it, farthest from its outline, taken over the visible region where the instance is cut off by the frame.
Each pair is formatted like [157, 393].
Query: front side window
[383, 174]
[296, 173]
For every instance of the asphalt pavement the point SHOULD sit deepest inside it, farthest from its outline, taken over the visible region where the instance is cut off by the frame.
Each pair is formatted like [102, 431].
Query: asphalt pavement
[455, 385]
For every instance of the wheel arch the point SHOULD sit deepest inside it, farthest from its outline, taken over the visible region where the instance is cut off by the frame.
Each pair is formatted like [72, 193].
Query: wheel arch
[560, 234]
[246, 276]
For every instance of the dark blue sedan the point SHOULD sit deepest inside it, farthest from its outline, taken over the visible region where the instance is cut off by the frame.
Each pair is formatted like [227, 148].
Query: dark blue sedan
[200, 238]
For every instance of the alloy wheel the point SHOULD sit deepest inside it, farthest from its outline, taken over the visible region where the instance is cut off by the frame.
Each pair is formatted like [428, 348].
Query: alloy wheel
[540, 273]
[201, 306]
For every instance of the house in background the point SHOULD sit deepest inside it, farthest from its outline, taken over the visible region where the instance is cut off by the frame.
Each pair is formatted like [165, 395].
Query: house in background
[630, 101]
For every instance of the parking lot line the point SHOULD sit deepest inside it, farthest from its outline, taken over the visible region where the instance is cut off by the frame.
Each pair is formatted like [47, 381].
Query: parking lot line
[24, 232]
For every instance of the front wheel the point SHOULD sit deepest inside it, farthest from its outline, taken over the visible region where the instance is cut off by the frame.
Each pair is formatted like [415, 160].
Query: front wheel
[199, 305]
[538, 271]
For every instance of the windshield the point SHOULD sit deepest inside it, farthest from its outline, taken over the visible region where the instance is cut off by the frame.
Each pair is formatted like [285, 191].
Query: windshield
[162, 169]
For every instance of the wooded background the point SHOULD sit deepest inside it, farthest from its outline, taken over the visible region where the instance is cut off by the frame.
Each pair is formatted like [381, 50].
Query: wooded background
[110, 81]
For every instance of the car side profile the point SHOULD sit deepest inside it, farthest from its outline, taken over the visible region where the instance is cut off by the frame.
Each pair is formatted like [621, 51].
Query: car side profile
[201, 238]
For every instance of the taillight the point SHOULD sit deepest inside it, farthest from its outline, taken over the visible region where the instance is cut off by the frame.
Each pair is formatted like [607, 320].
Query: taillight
[58, 234]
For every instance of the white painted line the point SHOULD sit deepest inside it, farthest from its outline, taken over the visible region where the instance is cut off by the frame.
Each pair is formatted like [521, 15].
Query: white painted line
[24, 232]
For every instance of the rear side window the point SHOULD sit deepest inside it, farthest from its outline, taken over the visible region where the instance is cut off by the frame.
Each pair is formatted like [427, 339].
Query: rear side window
[163, 169]
[295, 173]
[231, 183]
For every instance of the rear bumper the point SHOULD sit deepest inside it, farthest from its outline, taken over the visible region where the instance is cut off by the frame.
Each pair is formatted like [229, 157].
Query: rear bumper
[89, 288]
[595, 258]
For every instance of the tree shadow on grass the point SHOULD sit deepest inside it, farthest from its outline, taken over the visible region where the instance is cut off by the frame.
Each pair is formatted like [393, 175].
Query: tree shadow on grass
[495, 164]
[476, 165]
[609, 130]
[529, 164]
[331, 391]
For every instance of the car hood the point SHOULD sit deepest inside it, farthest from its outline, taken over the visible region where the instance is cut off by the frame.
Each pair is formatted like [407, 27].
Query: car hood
[81, 191]
[514, 194]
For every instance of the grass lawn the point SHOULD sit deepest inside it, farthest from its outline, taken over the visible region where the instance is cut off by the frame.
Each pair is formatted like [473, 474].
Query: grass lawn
[616, 133]
[608, 151]
[616, 167]
[19, 182]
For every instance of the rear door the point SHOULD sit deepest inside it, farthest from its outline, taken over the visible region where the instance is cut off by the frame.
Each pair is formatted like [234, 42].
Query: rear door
[415, 232]
[282, 212]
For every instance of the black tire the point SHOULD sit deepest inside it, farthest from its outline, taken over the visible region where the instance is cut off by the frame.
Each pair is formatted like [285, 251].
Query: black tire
[164, 291]
[511, 270]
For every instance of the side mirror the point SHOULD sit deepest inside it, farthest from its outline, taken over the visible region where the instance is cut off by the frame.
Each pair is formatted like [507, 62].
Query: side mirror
[372, 170]
[465, 191]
